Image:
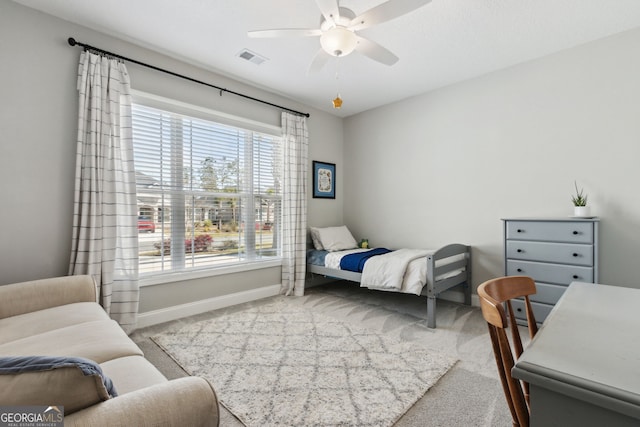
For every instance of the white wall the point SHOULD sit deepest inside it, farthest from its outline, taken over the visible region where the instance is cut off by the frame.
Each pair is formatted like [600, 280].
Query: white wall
[448, 165]
[38, 122]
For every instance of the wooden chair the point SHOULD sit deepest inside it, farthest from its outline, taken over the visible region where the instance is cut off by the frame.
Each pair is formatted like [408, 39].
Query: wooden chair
[495, 295]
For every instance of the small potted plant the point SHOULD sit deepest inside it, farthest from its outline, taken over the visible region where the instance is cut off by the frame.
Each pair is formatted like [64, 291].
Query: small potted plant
[580, 208]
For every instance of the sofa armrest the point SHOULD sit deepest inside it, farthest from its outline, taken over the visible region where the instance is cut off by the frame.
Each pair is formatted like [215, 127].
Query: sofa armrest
[187, 401]
[26, 297]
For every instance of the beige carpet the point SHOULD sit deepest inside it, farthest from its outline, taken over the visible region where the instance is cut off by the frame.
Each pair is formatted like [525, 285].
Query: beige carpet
[282, 365]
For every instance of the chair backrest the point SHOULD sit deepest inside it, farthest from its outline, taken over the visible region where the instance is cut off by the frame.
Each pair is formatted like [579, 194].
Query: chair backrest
[495, 295]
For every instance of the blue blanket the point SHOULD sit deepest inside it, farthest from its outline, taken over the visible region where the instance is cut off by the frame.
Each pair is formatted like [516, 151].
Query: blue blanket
[355, 262]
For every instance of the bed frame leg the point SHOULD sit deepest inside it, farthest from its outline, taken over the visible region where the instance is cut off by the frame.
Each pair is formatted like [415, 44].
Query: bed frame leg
[467, 286]
[431, 312]
[467, 293]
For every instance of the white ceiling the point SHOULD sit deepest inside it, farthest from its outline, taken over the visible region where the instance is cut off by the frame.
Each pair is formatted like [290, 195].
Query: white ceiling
[441, 43]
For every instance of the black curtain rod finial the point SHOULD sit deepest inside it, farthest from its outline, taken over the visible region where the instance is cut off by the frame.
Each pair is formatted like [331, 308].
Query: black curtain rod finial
[72, 41]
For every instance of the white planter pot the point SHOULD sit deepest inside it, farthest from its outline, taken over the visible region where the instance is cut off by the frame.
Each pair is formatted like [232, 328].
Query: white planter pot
[581, 211]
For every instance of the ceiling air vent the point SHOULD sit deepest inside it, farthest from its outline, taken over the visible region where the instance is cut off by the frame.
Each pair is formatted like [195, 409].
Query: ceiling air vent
[251, 56]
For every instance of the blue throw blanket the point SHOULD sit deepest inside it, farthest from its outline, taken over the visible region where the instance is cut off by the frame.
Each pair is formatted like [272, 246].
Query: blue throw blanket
[355, 262]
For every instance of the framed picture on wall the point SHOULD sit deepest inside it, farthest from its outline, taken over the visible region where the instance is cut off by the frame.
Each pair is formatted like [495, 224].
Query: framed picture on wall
[324, 180]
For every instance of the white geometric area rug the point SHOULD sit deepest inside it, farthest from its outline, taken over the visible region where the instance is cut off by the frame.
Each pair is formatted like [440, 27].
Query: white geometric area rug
[278, 365]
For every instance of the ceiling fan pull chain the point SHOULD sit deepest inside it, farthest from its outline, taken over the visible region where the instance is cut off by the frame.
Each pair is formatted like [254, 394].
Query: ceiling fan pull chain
[337, 102]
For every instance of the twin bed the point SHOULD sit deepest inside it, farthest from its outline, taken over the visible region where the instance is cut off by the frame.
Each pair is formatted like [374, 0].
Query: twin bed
[418, 272]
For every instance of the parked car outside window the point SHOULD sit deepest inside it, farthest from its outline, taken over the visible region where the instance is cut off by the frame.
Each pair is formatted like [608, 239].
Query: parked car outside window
[146, 225]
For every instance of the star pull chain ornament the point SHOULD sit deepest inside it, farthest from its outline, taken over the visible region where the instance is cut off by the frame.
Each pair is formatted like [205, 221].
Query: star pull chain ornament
[337, 102]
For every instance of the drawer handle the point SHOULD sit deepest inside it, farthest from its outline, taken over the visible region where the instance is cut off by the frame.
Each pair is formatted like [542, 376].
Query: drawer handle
[520, 230]
[519, 251]
[575, 232]
[518, 309]
[575, 276]
[575, 254]
[519, 270]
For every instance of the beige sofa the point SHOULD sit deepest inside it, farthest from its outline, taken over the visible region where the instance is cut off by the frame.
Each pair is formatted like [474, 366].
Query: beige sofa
[59, 317]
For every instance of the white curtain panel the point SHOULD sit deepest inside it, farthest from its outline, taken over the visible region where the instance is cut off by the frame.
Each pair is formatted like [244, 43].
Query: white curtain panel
[105, 230]
[295, 142]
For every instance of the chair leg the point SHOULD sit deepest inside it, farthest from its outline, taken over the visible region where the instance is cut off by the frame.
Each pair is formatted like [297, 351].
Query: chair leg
[503, 379]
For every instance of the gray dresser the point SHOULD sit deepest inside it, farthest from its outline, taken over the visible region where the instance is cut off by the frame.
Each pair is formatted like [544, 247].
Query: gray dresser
[554, 252]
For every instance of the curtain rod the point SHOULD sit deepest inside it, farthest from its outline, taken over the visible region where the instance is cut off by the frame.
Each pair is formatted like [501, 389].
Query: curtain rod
[73, 42]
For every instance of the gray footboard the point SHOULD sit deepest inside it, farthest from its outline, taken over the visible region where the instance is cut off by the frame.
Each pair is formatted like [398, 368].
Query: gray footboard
[444, 272]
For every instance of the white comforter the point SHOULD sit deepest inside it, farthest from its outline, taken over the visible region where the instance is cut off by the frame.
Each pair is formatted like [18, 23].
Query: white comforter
[403, 270]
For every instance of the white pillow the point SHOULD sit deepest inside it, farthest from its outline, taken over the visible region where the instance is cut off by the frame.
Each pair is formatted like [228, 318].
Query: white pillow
[336, 238]
[315, 237]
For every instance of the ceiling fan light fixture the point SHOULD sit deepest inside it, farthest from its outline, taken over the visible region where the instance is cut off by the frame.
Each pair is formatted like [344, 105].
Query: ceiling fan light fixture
[338, 41]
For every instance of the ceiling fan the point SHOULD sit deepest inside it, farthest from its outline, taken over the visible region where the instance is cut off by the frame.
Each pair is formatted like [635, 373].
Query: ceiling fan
[339, 27]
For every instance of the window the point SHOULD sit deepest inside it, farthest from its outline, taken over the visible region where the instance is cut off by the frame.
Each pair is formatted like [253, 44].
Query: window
[209, 194]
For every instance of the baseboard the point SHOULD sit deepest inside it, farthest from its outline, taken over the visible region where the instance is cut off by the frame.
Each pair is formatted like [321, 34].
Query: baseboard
[167, 314]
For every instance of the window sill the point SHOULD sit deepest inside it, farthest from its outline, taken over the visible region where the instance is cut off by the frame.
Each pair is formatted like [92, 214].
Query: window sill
[162, 278]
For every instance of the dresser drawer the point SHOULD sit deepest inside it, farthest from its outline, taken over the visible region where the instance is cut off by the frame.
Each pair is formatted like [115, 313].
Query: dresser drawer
[565, 231]
[563, 253]
[540, 311]
[547, 293]
[549, 273]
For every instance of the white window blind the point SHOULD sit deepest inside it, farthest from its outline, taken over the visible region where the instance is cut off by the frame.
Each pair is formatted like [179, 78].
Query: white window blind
[208, 193]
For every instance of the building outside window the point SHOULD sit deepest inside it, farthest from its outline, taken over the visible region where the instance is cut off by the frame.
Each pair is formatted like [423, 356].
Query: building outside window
[209, 193]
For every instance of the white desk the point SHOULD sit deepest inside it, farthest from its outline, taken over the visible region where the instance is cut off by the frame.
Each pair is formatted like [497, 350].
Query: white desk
[583, 366]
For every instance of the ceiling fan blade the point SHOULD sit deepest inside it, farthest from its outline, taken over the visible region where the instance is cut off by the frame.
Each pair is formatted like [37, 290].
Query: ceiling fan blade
[376, 52]
[385, 12]
[284, 32]
[319, 61]
[329, 9]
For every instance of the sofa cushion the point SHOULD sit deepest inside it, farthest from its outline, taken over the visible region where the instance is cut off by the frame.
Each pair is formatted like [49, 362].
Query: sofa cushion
[120, 371]
[26, 297]
[100, 340]
[72, 382]
[188, 401]
[25, 325]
